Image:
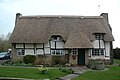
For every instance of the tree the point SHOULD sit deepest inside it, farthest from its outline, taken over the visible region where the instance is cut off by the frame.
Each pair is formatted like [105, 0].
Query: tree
[4, 42]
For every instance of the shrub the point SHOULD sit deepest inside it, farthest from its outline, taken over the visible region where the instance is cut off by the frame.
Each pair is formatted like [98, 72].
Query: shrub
[43, 70]
[57, 60]
[66, 70]
[96, 64]
[29, 59]
[116, 53]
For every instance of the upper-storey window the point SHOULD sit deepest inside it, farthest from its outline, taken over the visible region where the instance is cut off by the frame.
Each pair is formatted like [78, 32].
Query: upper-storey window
[56, 38]
[57, 42]
[99, 36]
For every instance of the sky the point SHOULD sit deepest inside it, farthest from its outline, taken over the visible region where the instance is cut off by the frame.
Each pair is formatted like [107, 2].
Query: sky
[9, 8]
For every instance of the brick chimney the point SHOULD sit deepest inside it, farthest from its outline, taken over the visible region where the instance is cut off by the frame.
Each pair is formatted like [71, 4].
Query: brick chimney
[105, 15]
[17, 17]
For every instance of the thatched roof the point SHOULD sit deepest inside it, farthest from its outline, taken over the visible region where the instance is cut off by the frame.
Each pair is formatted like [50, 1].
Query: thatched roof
[77, 31]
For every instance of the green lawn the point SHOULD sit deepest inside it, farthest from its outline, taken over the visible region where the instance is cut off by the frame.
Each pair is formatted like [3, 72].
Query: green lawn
[30, 73]
[112, 74]
[117, 61]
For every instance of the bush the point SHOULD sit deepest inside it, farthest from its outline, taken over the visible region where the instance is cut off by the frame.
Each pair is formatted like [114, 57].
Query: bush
[29, 59]
[116, 53]
[43, 70]
[57, 60]
[96, 64]
[66, 70]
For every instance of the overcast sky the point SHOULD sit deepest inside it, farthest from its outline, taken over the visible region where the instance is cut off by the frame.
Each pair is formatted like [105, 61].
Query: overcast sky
[9, 8]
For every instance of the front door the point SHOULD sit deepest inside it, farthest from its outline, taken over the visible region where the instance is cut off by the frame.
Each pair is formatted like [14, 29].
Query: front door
[81, 56]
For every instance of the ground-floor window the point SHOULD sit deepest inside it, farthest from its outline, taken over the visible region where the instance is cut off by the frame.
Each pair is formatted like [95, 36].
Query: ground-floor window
[21, 51]
[98, 52]
[74, 51]
[58, 52]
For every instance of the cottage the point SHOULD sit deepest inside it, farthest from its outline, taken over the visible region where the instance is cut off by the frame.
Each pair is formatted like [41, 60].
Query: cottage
[75, 39]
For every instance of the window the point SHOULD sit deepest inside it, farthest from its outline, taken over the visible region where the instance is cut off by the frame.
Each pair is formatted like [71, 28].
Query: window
[99, 36]
[97, 52]
[56, 38]
[20, 51]
[74, 51]
[58, 52]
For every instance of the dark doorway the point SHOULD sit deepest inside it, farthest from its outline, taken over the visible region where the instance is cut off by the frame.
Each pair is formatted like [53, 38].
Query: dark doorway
[81, 57]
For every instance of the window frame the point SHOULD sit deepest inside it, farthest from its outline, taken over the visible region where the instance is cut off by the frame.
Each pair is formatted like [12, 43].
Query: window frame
[99, 36]
[20, 52]
[61, 52]
[98, 52]
[74, 51]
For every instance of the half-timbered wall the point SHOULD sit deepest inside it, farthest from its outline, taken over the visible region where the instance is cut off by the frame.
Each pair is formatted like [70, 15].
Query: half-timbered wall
[41, 48]
[98, 44]
[19, 46]
[101, 44]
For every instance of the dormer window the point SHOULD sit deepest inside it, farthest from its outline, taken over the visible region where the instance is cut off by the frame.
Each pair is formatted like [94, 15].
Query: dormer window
[56, 38]
[99, 36]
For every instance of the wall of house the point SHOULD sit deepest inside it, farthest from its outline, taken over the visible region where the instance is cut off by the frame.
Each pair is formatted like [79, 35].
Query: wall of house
[47, 48]
[105, 45]
[40, 48]
[51, 60]
[73, 59]
[86, 56]
[97, 42]
[59, 44]
[19, 46]
[29, 49]
[39, 51]
[107, 50]
[27, 46]
[29, 52]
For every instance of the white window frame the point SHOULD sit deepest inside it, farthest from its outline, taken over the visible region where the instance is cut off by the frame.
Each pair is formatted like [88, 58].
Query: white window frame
[74, 51]
[98, 52]
[99, 36]
[62, 52]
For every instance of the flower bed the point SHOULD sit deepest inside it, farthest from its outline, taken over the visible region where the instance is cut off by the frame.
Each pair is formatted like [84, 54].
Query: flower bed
[43, 70]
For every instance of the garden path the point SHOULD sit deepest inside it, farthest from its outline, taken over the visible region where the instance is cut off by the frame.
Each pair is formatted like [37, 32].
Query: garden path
[77, 71]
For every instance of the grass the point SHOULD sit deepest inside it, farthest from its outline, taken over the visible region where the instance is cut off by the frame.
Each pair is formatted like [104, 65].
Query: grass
[112, 74]
[117, 61]
[29, 73]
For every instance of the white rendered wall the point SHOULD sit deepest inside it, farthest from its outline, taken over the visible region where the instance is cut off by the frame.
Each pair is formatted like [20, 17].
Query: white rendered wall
[96, 44]
[39, 51]
[52, 44]
[29, 51]
[47, 44]
[106, 53]
[19, 46]
[39, 45]
[103, 44]
[47, 50]
[29, 46]
[59, 44]
[107, 45]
